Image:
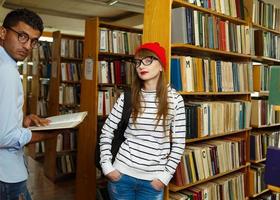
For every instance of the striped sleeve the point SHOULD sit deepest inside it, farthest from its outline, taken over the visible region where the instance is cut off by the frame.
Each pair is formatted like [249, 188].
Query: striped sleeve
[107, 134]
[178, 131]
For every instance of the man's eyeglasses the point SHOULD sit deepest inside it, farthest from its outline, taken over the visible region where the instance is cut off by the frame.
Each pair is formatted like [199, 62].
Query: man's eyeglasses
[146, 61]
[24, 37]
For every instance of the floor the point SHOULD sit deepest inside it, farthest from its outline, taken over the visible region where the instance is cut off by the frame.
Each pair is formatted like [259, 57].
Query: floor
[41, 188]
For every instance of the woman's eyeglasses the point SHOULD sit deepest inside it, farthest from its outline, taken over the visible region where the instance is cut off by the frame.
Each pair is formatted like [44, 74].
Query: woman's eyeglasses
[24, 37]
[145, 61]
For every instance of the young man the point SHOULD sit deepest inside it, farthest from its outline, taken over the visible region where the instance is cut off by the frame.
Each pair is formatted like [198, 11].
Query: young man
[19, 34]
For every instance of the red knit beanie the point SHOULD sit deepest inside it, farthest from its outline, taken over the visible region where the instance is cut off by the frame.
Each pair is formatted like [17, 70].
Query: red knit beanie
[158, 50]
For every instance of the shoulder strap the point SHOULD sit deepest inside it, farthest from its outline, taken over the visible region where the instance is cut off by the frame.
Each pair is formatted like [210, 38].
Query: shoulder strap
[126, 107]
[126, 111]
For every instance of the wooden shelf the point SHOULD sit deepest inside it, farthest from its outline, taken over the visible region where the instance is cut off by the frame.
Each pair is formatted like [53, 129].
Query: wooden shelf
[188, 49]
[257, 161]
[262, 192]
[113, 56]
[265, 126]
[265, 28]
[188, 141]
[214, 93]
[266, 60]
[66, 59]
[175, 188]
[86, 182]
[71, 82]
[260, 94]
[121, 28]
[181, 3]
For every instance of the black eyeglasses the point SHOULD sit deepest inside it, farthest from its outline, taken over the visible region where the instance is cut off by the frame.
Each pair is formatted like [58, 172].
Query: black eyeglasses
[24, 37]
[146, 61]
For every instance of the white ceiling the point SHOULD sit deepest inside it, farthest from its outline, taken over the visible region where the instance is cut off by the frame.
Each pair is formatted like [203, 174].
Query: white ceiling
[69, 15]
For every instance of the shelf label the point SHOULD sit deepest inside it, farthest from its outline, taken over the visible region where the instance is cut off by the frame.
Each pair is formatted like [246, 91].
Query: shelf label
[88, 68]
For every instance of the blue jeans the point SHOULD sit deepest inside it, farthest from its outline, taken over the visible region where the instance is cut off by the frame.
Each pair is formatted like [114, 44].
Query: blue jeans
[14, 191]
[129, 188]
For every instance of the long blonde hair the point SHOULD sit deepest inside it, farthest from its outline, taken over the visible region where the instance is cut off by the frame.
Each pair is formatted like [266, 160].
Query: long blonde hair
[161, 92]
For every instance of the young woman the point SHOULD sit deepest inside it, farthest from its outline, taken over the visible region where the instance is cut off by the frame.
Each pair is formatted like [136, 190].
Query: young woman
[155, 136]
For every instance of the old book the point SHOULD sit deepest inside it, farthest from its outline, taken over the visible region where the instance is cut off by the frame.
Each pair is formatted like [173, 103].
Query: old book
[274, 86]
[62, 121]
[272, 169]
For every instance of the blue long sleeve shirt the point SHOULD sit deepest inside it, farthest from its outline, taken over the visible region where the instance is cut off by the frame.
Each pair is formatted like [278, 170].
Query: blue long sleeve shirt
[12, 134]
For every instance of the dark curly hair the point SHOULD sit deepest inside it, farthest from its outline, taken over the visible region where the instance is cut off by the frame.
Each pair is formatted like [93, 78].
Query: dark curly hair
[24, 15]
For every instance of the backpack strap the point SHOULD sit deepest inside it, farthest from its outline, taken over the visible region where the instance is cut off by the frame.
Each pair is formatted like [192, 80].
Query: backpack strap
[126, 107]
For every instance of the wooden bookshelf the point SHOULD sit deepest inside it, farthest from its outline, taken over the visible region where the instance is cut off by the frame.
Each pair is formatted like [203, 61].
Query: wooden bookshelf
[86, 182]
[181, 3]
[213, 53]
[39, 78]
[258, 161]
[55, 108]
[157, 16]
[188, 141]
[175, 188]
[262, 192]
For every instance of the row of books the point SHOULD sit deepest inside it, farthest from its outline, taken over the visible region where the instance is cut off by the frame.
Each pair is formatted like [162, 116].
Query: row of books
[121, 42]
[229, 187]
[69, 94]
[43, 53]
[269, 196]
[71, 48]
[234, 8]
[256, 174]
[67, 140]
[192, 74]
[25, 69]
[71, 71]
[65, 109]
[45, 70]
[66, 164]
[107, 97]
[263, 113]
[201, 161]
[193, 27]
[261, 76]
[259, 141]
[42, 108]
[115, 72]
[209, 118]
[266, 14]
[44, 89]
[267, 44]
[39, 147]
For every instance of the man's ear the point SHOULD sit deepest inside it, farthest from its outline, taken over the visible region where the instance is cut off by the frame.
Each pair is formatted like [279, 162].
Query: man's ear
[3, 32]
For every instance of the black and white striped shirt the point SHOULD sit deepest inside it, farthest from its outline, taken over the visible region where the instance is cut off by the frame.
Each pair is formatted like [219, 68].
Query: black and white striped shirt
[146, 152]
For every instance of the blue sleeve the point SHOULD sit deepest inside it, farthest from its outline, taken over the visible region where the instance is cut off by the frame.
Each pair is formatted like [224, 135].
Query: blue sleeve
[12, 134]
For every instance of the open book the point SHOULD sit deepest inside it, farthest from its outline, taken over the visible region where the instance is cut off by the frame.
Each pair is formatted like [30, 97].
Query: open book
[62, 122]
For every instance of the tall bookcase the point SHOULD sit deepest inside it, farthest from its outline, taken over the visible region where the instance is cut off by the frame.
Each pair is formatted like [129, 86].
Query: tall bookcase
[157, 27]
[86, 182]
[60, 161]
[264, 19]
[38, 101]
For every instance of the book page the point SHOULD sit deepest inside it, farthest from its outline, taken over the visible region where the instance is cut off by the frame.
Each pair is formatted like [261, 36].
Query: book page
[62, 121]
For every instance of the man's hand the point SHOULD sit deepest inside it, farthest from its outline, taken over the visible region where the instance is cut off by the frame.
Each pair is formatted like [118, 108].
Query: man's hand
[114, 175]
[34, 120]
